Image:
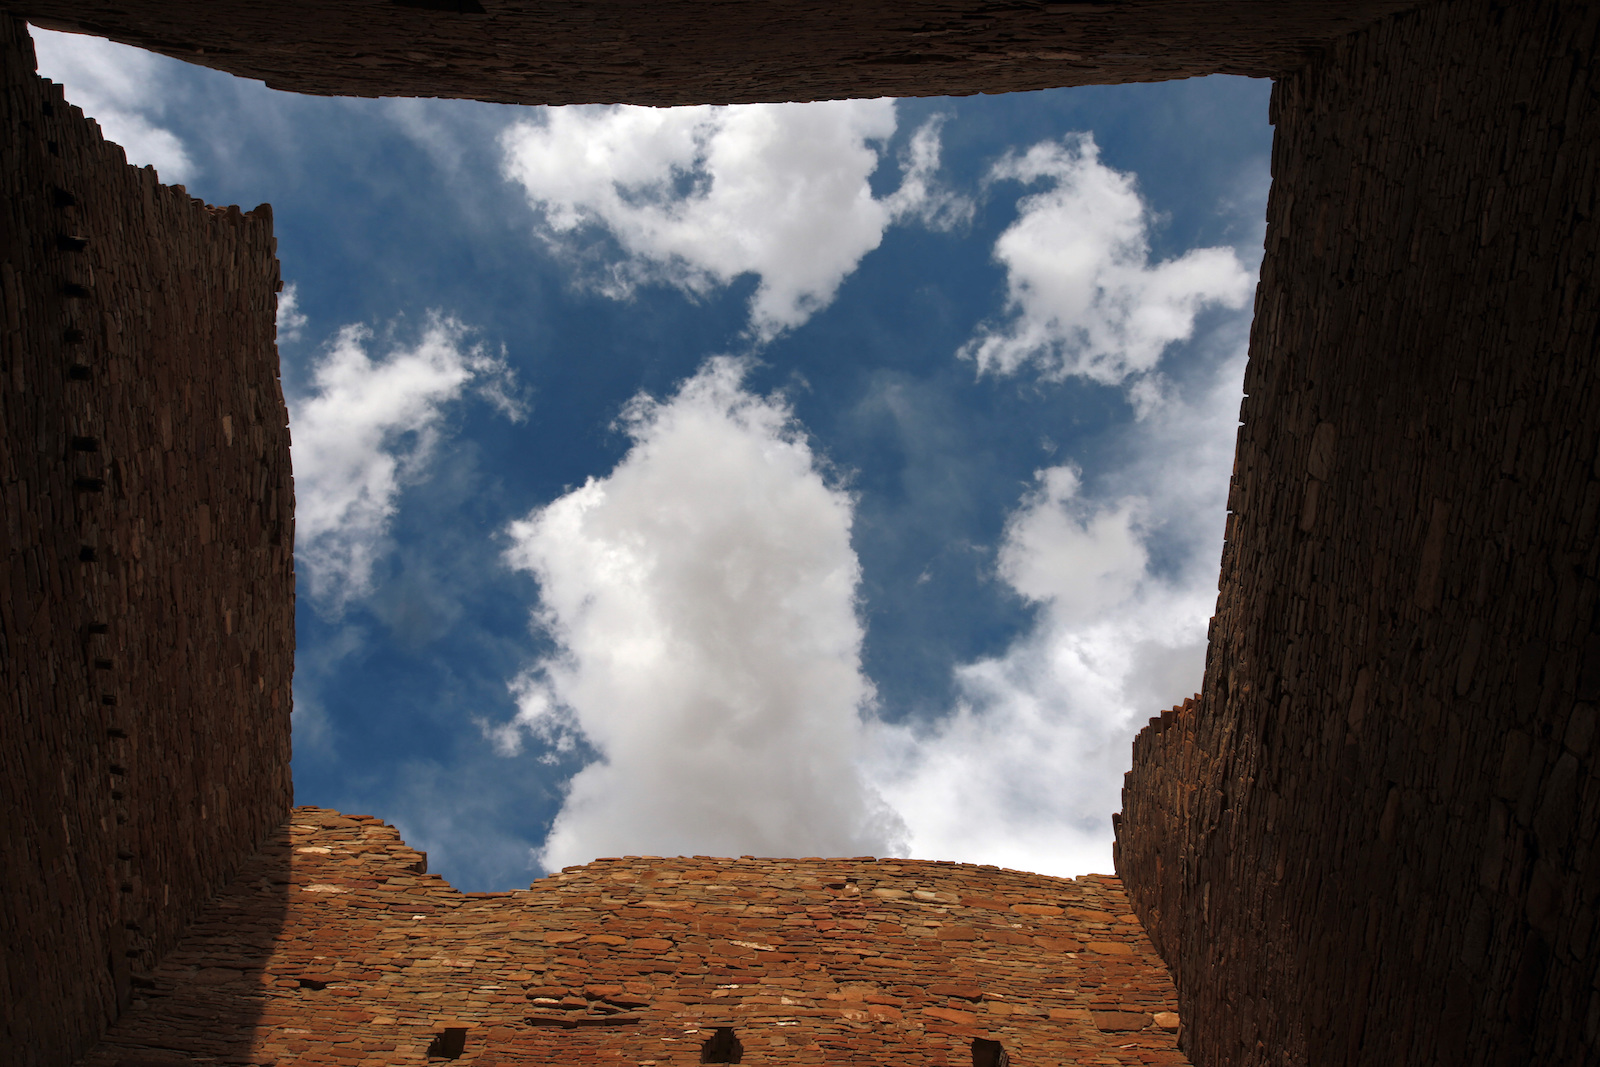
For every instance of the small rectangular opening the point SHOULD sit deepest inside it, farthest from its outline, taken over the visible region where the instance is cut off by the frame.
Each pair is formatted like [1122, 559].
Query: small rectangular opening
[722, 1046]
[989, 1053]
[449, 1043]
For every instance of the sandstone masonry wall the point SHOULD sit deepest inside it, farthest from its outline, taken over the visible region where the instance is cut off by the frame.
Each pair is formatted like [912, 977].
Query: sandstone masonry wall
[1372, 839]
[715, 51]
[334, 946]
[1170, 772]
[147, 597]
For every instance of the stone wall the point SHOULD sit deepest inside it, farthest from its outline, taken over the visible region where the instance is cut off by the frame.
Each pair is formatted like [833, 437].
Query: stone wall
[1170, 772]
[147, 596]
[715, 51]
[1369, 839]
[1373, 838]
[336, 946]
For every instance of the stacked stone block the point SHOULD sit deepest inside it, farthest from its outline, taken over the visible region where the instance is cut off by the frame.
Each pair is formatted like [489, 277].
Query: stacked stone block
[147, 597]
[334, 946]
[1372, 839]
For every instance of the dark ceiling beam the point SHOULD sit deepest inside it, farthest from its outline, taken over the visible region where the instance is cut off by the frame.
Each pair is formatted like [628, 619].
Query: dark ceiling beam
[715, 51]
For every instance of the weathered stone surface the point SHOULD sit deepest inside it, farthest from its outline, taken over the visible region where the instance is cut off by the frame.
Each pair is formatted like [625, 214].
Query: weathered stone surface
[1372, 839]
[147, 592]
[333, 946]
[716, 51]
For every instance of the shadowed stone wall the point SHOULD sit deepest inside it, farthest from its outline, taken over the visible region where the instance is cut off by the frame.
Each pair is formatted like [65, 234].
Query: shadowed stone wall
[147, 592]
[715, 51]
[1372, 839]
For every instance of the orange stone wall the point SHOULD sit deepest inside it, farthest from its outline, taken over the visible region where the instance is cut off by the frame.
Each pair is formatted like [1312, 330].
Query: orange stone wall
[147, 591]
[334, 946]
[1373, 837]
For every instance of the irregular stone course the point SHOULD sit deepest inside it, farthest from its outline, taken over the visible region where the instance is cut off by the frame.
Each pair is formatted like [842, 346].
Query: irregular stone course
[334, 945]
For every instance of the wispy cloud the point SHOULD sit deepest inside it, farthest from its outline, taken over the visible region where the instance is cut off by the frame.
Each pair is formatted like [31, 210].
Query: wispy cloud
[1120, 566]
[291, 320]
[698, 196]
[1026, 770]
[1083, 297]
[364, 428]
[124, 89]
[702, 597]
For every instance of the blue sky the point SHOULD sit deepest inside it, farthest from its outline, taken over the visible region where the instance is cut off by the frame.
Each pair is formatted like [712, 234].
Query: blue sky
[802, 479]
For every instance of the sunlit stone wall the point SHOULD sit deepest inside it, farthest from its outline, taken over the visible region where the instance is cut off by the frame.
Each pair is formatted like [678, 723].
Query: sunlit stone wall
[336, 945]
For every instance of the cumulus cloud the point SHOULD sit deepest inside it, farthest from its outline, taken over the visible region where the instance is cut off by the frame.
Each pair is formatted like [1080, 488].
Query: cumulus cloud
[124, 90]
[367, 426]
[1027, 769]
[702, 598]
[1083, 297]
[1120, 567]
[698, 196]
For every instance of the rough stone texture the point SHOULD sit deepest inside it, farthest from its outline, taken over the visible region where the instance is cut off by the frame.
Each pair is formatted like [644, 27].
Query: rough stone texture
[715, 51]
[147, 593]
[333, 946]
[1373, 838]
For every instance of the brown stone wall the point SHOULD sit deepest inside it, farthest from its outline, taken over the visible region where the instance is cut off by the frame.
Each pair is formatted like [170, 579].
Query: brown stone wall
[1373, 841]
[147, 595]
[335, 946]
[715, 51]
[1171, 772]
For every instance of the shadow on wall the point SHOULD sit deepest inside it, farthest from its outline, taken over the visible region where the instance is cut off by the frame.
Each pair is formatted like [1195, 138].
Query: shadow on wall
[147, 589]
[205, 1001]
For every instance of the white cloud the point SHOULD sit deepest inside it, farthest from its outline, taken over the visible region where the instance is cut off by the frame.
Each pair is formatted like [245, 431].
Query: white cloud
[1027, 771]
[1082, 296]
[920, 195]
[701, 597]
[291, 320]
[1083, 562]
[366, 427]
[124, 90]
[697, 196]
[1121, 567]
[703, 600]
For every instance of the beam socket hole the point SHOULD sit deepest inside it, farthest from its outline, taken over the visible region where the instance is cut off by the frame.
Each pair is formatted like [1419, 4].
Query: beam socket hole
[722, 1046]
